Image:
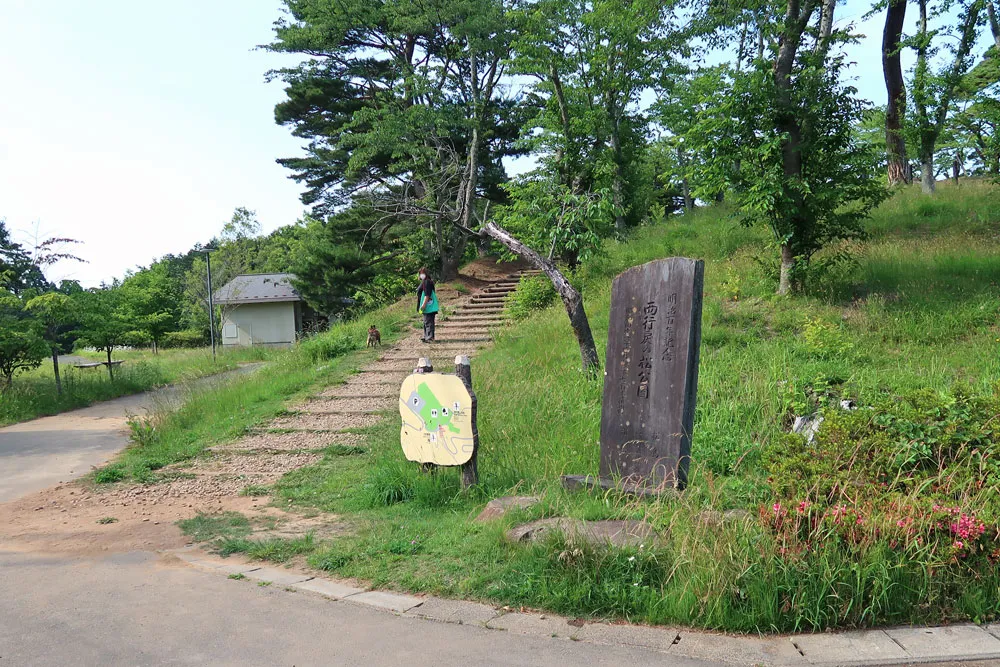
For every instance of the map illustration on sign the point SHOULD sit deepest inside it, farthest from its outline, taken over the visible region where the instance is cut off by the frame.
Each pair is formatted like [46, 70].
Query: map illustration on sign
[436, 411]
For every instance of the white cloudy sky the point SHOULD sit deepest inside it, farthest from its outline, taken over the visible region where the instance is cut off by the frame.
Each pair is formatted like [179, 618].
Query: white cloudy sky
[137, 127]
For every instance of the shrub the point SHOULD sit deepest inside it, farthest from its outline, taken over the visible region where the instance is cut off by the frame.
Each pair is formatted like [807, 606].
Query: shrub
[189, 338]
[534, 293]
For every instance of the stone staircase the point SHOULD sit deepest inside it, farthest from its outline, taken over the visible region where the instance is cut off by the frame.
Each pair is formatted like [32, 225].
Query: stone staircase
[359, 402]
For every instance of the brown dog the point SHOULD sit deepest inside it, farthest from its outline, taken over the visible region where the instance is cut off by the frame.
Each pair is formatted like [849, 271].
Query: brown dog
[374, 337]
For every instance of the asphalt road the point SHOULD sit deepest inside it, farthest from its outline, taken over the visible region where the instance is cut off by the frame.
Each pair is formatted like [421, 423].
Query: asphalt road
[132, 609]
[40, 453]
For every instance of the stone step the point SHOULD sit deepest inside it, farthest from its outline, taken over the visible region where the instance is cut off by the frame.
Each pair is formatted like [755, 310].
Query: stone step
[323, 397]
[483, 306]
[437, 356]
[467, 339]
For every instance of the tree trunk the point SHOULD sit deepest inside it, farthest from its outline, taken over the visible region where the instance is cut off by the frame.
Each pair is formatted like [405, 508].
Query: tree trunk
[155, 349]
[55, 370]
[618, 184]
[685, 187]
[956, 167]
[451, 262]
[789, 126]
[111, 372]
[787, 268]
[927, 182]
[895, 86]
[991, 11]
[571, 298]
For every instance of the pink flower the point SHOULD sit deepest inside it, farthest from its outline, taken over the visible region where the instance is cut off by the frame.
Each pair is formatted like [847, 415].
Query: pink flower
[958, 544]
[803, 506]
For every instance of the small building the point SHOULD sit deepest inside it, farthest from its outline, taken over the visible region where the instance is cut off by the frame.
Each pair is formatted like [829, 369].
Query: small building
[262, 309]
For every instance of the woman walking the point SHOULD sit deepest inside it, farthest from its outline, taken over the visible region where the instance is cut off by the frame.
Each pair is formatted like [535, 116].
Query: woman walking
[427, 304]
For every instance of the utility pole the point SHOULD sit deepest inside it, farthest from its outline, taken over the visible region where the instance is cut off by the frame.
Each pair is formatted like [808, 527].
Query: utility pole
[211, 303]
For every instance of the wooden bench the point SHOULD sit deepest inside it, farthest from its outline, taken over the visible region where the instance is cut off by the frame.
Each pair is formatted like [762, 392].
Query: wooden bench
[95, 364]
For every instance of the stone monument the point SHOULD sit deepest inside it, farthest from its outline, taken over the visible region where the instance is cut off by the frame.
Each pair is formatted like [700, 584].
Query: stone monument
[651, 376]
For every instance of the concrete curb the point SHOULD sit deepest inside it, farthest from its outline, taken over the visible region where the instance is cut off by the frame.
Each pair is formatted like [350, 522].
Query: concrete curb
[889, 646]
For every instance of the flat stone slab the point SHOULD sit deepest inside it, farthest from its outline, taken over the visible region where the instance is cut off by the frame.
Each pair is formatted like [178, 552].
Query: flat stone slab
[658, 639]
[497, 507]
[384, 600]
[455, 611]
[946, 641]
[276, 576]
[599, 533]
[330, 589]
[858, 645]
[536, 625]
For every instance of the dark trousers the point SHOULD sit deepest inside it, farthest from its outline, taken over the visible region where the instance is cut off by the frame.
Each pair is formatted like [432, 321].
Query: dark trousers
[429, 326]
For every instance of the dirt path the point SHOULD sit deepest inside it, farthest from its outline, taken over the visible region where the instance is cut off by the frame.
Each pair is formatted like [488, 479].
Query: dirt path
[65, 518]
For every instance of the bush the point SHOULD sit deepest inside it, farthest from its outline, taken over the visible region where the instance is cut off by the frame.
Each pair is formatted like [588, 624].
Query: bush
[189, 338]
[331, 345]
[534, 293]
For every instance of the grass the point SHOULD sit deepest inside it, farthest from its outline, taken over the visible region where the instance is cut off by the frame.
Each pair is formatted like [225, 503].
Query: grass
[914, 308]
[34, 393]
[906, 323]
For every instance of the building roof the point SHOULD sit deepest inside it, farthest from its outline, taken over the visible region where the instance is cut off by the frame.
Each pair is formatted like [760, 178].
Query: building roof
[258, 288]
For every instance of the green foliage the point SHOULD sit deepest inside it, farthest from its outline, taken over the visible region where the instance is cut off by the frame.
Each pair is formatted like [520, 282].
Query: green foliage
[110, 474]
[838, 187]
[532, 294]
[22, 346]
[188, 338]
[551, 218]
[331, 345]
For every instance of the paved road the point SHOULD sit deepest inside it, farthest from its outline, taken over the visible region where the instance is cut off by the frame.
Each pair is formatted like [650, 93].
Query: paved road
[131, 609]
[38, 454]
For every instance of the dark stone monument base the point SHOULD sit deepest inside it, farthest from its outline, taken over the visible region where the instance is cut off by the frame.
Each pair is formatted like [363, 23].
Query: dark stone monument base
[642, 489]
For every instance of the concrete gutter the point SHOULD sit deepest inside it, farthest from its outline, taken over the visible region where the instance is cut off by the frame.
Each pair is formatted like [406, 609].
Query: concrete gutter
[942, 645]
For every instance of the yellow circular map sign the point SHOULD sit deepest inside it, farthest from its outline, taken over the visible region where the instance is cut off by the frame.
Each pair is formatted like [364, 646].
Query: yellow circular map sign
[437, 419]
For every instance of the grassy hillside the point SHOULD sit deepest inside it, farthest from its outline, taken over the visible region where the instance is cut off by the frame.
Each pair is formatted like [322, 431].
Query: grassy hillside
[890, 516]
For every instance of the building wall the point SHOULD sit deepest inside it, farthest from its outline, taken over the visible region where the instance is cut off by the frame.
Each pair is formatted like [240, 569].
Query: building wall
[260, 324]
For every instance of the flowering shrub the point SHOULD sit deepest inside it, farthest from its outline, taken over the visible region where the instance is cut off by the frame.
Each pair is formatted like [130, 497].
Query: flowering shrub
[918, 473]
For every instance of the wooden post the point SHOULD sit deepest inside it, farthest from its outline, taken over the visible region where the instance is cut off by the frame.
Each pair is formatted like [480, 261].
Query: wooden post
[424, 365]
[470, 470]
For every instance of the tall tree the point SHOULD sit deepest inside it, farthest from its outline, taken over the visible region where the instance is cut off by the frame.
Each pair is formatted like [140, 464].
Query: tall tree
[590, 61]
[56, 314]
[399, 101]
[789, 122]
[933, 92]
[895, 87]
[104, 321]
[152, 299]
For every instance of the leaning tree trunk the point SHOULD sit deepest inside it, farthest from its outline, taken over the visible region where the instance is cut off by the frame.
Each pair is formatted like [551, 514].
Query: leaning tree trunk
[571, 298]
[55, 370]
[895, 86]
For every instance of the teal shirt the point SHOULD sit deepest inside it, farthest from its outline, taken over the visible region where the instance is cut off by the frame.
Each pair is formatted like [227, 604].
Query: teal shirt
[432, 302]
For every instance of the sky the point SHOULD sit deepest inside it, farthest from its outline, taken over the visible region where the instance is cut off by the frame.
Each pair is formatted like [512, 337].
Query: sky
[137, 127]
